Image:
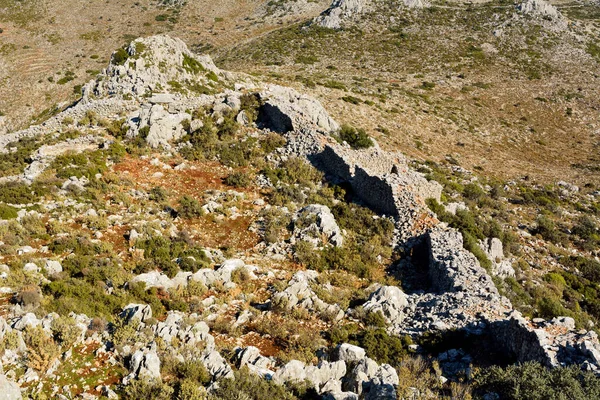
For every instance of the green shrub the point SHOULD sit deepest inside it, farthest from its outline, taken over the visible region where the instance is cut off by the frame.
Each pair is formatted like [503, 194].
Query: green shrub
[535, 382]
[144, 390]
[120, 56]
[356, 138]
[15, 161]
[385, 348]
[238, 179]
[250, 104]
[7, 212]
[189, 208]
[158, 194]
[192, 65]
[246, 385]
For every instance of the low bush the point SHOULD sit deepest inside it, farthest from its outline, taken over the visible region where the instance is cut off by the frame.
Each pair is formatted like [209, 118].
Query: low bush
[7, 212]
[356, 138]
[189, 208]
[238, 180]
[534, 381]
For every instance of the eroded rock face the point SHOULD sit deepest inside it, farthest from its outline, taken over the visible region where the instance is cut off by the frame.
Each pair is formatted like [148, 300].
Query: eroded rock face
[147, 66]
[539, 8]
[501, 266]
[284, 110]
[141, 312]
[342, 11]
[144, 364]
[553, 343]
[300, 294]
[316, 224]
[390, 301]
[9, 390]
[338, 12]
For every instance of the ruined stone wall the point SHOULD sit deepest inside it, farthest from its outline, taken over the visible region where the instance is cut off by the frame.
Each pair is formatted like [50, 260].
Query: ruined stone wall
[375, 192]
[520, 342]
[454, 269]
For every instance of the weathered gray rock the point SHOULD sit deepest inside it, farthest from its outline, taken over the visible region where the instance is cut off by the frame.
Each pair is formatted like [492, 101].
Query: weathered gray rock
[141, 312]
[9, 390]
[390, 301]
[338, 12]
[325, 372]
[285, 109]
[144, 364]
[501, 266]
[154, 279]
[53, 267]
[216, 365]
[152, 63]
[251, 356]
[368, 373]
[539, 8]
[300, 294]
[350, 353]
[293, 371]
[316, 224]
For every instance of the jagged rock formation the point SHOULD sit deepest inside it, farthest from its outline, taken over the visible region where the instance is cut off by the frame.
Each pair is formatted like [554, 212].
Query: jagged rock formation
[539, 8]
[316, 224]
[543, 11]
[300, 294]
[285, 110]
[151, 65]
[552, 343]
[342, 11]
[501, 266]
[339, 10]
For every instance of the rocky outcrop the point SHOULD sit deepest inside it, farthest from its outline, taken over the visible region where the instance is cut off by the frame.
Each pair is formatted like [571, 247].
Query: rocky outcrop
[300, 294]
[144, 364]
[494, 250]
[284, 109]
[338, 12]
[316, 224]
[162, 126]
[390, 301]
[553, 343]
[341, 12]
[150, 65]
[140, 312]
[543, 12]
[9, 390]
[539, 8]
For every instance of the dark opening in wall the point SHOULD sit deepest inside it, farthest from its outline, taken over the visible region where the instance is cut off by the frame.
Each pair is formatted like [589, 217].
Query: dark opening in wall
[272, 118]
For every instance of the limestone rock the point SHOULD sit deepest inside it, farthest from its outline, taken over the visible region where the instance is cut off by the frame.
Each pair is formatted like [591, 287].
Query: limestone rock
[53, 267]
[147, 66]
[338, 12]
[315, 223]
[350, 353]
[144, 364]
[539, 8]
[390, 301]
[141, 312]
[285, 109]
[494, 250]
[9, 390]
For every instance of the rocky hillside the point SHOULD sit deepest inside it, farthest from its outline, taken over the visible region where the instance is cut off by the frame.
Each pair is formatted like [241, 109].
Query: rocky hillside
[187, 232]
